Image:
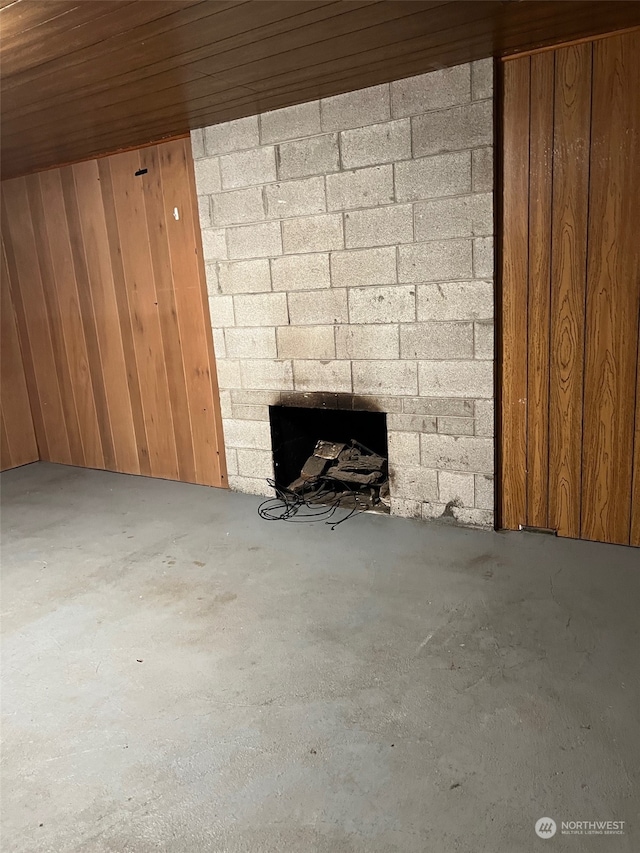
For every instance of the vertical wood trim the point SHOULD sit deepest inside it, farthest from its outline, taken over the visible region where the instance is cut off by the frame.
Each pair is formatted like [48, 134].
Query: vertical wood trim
[539, 303]
[204, 305]
[613, 291]
[513, 355]
[634, 535]
[568, 265]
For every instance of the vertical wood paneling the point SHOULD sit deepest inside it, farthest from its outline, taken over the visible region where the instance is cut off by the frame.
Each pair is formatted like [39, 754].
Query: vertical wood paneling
[635, 497]
[568, 265]
[539, 304]
[18, 440]
[613, 291]
[112, 316]
[516, 84]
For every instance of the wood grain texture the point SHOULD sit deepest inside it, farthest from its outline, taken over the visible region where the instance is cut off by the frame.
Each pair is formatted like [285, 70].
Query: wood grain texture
[514, 289]
[539, 304]
[568, 265]
[18, 445]
[82, 79]
[112, 313]
[613, 291]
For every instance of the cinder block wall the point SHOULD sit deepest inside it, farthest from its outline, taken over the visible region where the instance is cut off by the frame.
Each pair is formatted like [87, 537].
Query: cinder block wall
[349, 248]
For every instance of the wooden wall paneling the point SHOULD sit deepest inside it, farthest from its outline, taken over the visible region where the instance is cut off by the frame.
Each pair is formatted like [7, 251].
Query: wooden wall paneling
[18, 440]
[158, 217]
[142, 298]
[613, 291]
[514, 274]
[568, 265]
[124, 315]
[31, 305]
[71, 291]
[193, 315]
[539, 307]
[634, 538]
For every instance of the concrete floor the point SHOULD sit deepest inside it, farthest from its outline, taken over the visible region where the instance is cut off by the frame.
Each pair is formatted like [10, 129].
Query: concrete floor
[181, 676]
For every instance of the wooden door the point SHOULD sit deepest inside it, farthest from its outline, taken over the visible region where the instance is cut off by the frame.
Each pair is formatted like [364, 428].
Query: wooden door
[106, 269]
[570, 291]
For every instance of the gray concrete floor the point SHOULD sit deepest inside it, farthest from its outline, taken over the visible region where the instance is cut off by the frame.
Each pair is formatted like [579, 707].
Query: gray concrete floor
[181, 676]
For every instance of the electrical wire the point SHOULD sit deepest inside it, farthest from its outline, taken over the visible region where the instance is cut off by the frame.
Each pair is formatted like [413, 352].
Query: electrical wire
[290, 506]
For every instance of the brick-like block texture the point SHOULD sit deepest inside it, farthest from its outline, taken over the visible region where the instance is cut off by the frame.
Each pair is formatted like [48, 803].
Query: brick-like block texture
[348, 246]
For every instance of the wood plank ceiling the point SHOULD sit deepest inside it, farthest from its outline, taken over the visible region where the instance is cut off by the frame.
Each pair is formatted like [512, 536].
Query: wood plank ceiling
[81, 79]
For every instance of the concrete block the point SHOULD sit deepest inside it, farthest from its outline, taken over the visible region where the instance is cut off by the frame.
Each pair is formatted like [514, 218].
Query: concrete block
[251, 343]
[355, 109]
[360, 188]
[385, 377]
[232, 135]
[211, 277]
[438, 260]
[378, 403]
[456, 426]
[253, 397]
[456, 300]
[214, 244]
[404, 449]
[225, 403]
[483, 257]
[244, 276]
[483, 340]
[301, 272]
[377, 143]
[456, 487]
[435, 90]
[221, 311]
[228, 371]
[436, 340]
[419, 484]
[290, 122]
[204, 211]
[332, 376]
[197, 143]
[250, 434]
[482, 170]
[313, 234]
[254, 241]
[362, 267]
[316, 342]
[232, 461]
[455, 129]
[406, 509]
[248, 168]
[485, 498]
[261, 374]
[463, 216]
[482, 79]
[255, 463]
[260, 309]
[433, 177]
[391, 304]
[295, 198]
[445, 406]
[207, 173]
[251, 486]
[485, 418]
[219, 346]
[471, 517]
[362, 342]
[318, 155]
[457, 453]
[382, 226]
[238, 206]
[318, 307]
[411, 423]
[456, 378]
[251, 413]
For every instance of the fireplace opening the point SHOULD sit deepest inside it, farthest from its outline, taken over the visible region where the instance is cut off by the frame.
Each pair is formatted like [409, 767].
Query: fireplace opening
[331, 456]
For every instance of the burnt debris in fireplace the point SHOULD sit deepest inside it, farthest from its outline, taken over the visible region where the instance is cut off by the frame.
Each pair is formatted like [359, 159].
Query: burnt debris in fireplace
[348, 475]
